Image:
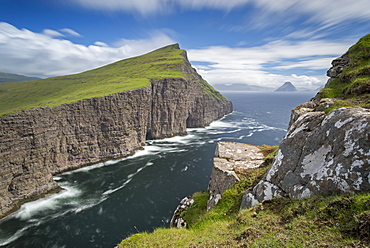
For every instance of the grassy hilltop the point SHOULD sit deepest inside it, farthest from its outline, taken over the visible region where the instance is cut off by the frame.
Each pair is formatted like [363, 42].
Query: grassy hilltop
[120, 76]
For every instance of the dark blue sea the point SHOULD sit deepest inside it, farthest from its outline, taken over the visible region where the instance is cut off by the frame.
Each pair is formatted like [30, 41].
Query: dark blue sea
[104, 203]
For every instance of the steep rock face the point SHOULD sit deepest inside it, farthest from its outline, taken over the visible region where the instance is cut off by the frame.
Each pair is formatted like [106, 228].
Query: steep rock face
[230, 160]
[38, 143]
[320, 155]
[338, 65]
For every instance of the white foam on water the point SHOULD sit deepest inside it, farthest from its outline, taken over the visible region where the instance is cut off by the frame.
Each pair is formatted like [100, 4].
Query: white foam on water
[50, 202]
[110, 191]
[15, 236]
[79, 207]
[220, 124]
[129, 178]
[176, 140]
[147, 150]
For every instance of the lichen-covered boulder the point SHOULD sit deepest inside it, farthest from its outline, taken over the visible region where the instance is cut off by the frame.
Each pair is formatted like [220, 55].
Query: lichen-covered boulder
[320, 155]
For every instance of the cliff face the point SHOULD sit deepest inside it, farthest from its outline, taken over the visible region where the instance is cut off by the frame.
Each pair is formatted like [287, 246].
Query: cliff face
[38, 143]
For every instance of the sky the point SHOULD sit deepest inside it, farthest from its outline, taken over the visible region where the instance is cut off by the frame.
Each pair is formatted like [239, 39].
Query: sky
[254, 42]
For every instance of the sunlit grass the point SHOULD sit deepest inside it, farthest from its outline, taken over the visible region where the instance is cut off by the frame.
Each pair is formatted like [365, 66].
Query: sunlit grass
[113, 78]
[335, 221]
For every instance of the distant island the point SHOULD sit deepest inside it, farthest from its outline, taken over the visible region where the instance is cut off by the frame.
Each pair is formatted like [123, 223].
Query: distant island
[240, 87]
[9, 77]
[286, 87]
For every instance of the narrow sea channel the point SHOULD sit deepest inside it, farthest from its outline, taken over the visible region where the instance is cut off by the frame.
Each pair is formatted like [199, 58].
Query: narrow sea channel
[104, 203]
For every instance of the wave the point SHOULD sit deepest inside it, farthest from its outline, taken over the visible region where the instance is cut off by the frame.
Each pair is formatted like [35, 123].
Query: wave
[129, 178]
[30, 209]
[15, 236]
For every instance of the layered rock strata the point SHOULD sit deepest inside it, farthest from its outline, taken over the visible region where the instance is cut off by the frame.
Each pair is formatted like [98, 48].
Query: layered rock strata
[38, 143]
[231, 160]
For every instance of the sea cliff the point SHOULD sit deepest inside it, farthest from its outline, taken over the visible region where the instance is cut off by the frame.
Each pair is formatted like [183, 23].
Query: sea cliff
[36, 144]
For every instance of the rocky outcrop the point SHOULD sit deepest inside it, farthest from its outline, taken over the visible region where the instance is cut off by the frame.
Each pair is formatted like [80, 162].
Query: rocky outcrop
[338, 65]
[177, 219]
[38, 143]
[320, 155]
[231, 160]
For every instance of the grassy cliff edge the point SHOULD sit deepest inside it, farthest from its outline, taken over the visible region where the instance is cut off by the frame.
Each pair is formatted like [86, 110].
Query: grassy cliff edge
[128, 74]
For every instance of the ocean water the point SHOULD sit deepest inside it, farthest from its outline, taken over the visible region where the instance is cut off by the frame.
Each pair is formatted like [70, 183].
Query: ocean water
[104, 203]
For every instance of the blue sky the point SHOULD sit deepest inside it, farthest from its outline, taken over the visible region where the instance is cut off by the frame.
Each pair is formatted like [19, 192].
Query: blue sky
[256, 42]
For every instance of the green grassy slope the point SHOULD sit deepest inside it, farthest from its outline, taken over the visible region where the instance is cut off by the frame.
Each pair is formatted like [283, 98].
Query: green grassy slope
[352, 86]
[8, 77]
[336, 221]
[113, 78]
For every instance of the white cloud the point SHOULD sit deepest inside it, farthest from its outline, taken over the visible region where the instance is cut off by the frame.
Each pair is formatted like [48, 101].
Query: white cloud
[258, 65]
[52, 33]
[39, 54]
[70, 32]
[325, 12]
[99, 43]
[141, 46]
[150, 7]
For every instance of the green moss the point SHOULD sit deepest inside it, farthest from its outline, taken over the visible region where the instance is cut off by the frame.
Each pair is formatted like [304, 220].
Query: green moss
[116, 77]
